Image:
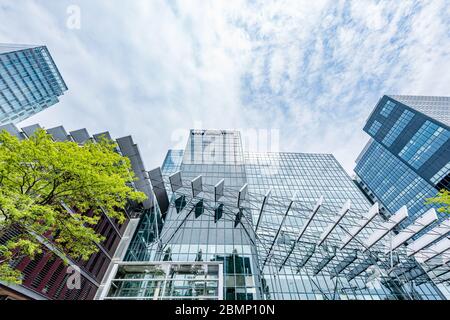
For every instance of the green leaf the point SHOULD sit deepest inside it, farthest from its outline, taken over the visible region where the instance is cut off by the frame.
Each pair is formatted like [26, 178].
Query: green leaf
[38, 175]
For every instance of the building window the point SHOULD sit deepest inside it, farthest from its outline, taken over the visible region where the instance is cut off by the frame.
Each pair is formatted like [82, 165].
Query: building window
[441, 173]
[424, 144]
[398, 127]
[387, 108]
[374, 128]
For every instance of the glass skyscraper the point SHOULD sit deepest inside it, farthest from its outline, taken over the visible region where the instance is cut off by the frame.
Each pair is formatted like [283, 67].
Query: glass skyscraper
[29, 82]
[407, 159]
[237, 225]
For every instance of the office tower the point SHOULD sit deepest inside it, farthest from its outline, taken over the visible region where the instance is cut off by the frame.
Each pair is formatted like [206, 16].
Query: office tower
[46, 276]
[237, 225]
[29, 82]
[407, 159]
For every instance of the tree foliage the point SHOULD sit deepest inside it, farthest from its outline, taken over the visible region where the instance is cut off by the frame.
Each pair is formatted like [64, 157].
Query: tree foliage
[42, 180]
[443, 199]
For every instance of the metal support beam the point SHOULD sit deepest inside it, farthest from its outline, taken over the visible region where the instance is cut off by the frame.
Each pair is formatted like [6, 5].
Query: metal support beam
[442, 260]
[387, 226]
[368, 217]
[311, 217]
[345, 208]
[443, 273]
[303, 230]
[428, 270]
[363, 266]
[401, 270]
[306, 258]
[279, 229]
[436, 249]
[394, 263]
[429, 237]
[348, 260]
[246, 231]
[419, 224]
[262, 209]
[179, 226]
[440, 281]
[238, 217]
[414, 274]
[199, 208]
[218, 212]
[323, 263]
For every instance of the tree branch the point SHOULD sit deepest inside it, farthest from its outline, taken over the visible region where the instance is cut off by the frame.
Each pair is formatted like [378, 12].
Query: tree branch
[50, 195]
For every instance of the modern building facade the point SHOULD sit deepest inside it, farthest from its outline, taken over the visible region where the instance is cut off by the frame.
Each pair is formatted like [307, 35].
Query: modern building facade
[29, 82]
[46, 276]
[239, 225]
[407, 159]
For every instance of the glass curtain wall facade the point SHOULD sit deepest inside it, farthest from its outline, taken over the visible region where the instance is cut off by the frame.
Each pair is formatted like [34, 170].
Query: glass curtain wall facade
[268, 228]
[407, 159]
[307, 177]
[204, 236]
[296, 267]
[29, 82]
[195, 229]
[168, 280]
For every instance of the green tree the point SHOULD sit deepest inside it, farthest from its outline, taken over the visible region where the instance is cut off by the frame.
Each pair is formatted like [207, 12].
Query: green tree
[41, 181]
[443, 199]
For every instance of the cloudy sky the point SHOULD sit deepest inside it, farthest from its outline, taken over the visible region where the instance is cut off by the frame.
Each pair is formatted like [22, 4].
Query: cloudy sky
[305, 73]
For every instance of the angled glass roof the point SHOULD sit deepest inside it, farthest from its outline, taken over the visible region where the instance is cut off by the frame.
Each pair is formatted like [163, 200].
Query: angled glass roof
[8, 47]
[434, 107]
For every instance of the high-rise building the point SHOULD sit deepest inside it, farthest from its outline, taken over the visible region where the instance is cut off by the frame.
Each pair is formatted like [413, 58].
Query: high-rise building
[46, 275]
[407, 159]
[237, 225]
[29, 82]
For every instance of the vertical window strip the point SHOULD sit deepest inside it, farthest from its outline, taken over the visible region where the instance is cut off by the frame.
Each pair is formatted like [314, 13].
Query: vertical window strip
[445, 170]
[424, 143]
[387, 108]
[374, 128]
[398, 127]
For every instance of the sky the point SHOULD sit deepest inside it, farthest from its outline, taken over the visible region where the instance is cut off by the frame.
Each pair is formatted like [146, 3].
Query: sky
[295, 76]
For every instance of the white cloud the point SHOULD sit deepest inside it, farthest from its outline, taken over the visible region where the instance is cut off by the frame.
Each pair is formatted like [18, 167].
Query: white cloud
[370, 13]
[313, 69]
